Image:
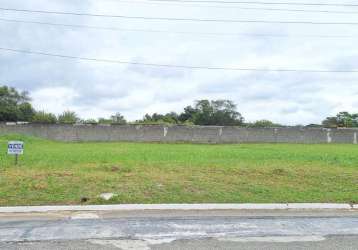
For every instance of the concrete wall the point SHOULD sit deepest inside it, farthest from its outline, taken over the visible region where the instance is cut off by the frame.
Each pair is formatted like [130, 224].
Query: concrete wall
[194, 134]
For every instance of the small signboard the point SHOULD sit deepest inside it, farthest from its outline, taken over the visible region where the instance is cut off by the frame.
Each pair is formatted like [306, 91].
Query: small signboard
[15, 148]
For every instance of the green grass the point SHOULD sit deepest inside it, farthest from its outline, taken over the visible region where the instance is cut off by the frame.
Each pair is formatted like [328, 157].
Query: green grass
[62, 173]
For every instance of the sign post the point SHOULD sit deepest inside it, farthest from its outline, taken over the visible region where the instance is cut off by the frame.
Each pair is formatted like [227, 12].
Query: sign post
[15, 148]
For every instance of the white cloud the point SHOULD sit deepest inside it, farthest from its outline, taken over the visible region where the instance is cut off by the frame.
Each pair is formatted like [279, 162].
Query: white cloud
[55, 99]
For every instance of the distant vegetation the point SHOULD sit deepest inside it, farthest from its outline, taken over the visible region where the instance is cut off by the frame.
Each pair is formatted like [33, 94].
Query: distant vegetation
[342, 119]
[16, 106]
[204, 112]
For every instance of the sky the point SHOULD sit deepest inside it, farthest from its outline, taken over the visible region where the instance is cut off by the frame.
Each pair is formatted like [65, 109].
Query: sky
[98, 89]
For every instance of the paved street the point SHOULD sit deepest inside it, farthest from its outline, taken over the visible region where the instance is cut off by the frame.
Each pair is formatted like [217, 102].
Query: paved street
[332, 242]
[218, 231]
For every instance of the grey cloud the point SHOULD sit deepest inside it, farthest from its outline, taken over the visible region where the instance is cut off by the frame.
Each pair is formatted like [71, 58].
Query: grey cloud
[101, 88]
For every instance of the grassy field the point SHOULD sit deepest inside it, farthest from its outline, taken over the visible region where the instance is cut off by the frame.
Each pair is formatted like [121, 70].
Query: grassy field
[63, 173]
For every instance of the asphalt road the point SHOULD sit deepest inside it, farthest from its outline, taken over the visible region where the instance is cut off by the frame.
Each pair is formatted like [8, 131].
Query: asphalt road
[329, 243]
[158, 231]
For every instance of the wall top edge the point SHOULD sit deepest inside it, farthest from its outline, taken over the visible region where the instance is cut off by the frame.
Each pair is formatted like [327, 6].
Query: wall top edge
[4, 124]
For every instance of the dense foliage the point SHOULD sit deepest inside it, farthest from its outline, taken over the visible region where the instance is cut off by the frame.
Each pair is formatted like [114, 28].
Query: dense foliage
[342, 119]
[68, 117]
[43, 117]
[204, 112]
[15, 106]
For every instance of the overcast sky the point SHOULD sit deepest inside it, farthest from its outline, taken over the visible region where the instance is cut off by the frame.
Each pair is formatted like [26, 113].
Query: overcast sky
[95, 89]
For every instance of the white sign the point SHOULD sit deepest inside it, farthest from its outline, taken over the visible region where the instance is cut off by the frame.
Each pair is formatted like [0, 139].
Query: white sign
[15, 148]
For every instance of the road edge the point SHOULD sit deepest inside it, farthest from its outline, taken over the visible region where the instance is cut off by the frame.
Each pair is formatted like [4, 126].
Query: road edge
[180, 207]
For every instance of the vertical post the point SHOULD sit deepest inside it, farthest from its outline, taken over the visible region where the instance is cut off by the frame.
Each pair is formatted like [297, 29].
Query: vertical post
[275, 132]
[16, 159]
[220, 135]
[329, 138]
[165, 131]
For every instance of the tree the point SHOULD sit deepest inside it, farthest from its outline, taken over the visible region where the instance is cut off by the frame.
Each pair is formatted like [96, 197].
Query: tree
[188, 114]
[219, 112]
[15, 106]
[118, 119]
[225, 113]
[26, 112]
[104, 121]
[169, 118]
[264, 124]
[355, 120]
[68, 117]
[43, 117]
[330, 122]
[89, 121]
[342, 119]
[205, 112]
[345, 119]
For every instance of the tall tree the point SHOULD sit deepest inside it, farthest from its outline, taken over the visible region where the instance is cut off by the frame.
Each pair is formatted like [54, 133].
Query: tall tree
[342, 119]
[219, 112]
[118, 119]
[188, 114]
[26, 112]
[15, 106]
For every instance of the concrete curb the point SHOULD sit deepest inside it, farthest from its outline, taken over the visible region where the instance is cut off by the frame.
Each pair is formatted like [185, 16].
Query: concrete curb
[182, 207]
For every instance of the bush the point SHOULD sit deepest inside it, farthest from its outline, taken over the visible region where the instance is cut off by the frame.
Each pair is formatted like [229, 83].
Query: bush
[43, 117]
[68, 117]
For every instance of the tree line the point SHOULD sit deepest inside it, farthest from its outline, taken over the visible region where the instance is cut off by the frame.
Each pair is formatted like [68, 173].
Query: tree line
[16, 106]
[342, 119]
